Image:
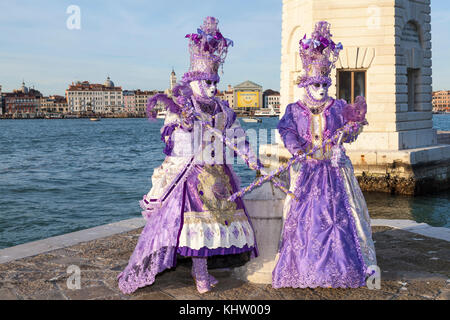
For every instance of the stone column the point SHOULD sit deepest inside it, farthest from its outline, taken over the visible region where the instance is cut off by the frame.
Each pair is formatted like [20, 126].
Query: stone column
[265, 208]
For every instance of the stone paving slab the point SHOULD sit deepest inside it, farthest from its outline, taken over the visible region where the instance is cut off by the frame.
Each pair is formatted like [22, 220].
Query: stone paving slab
[69, 239]
[412, 226]
[414, 267]
[73, 238]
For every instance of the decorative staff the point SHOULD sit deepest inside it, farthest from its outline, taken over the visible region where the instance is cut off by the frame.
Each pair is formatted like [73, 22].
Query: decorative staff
[349, 128]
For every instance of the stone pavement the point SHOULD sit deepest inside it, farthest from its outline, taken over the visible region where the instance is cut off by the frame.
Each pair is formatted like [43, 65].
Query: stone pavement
[414, 267]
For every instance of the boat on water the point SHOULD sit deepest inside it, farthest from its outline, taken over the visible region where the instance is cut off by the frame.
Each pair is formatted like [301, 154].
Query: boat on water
[267, 112]
[53, 116]
[251, 119]
[440, 112]
[95, 119]
[161, 114]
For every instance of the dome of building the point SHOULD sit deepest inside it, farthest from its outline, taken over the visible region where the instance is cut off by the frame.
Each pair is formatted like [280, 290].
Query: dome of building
[23, 88]
[108, 83]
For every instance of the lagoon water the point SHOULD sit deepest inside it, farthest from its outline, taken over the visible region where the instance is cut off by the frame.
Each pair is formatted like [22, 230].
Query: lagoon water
[60, 176]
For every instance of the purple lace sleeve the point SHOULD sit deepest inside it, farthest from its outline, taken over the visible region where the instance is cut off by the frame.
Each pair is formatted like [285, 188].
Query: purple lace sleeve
[289, 133]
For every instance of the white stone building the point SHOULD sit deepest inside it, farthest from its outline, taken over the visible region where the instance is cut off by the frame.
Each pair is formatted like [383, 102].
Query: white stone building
[142, 100]
[271, 99]
[53, 104]
[98, 98]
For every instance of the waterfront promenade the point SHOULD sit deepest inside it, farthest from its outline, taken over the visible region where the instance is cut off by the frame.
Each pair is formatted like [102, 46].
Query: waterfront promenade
[414, 261]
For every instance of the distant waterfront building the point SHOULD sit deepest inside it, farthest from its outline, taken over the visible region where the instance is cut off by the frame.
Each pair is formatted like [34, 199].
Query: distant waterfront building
[93, 97]
[228, 95]
[271, 99]
[172, 83]
[247, 97]
[441, 101]
[23, 102]
[220, 95]
[141, 100]
[53, 104]
[129, 101]
[1, 101]
[173, 79]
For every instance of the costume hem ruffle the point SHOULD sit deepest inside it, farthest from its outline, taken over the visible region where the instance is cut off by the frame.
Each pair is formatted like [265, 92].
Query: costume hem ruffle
[208, 252]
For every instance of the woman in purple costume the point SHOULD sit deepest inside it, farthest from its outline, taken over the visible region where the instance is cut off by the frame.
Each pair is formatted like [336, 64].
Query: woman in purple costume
[326, 237]
[187, 210]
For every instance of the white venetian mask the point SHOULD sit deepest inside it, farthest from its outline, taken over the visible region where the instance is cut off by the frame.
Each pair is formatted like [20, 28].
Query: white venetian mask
[318, 91]
[204, 88]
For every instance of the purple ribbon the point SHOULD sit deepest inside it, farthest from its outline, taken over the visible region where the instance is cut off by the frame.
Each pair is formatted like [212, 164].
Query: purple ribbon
[194, 37]
[322, 43]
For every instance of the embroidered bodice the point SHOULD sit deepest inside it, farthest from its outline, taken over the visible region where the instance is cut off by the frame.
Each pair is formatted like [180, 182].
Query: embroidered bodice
[301, 130]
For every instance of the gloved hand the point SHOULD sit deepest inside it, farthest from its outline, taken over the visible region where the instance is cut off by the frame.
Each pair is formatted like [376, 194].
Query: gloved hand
[338, 157]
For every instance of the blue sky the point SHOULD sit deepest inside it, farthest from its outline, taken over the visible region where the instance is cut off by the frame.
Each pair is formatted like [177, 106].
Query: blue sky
[138, 42]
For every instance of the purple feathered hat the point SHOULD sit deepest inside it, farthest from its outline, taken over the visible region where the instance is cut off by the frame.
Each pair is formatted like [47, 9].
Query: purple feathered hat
[208, 50]
[319, 55]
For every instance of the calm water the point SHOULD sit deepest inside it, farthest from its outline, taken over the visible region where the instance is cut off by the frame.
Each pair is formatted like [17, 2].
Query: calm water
[60, 176]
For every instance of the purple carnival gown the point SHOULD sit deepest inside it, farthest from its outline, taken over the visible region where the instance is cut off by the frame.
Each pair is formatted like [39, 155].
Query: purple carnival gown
[326, 238]
[196, 219]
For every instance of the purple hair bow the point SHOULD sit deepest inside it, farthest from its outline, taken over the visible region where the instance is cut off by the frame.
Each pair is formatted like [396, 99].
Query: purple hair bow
[316, 43]
[305, 43]
[211, 41]
[321, 44]
[324, 42]
[204, 34]
[229, 42]
[194, 37]
[220, 37]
